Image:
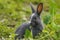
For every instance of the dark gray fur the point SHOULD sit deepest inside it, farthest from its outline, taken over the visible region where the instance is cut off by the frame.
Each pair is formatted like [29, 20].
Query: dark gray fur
[35, 22]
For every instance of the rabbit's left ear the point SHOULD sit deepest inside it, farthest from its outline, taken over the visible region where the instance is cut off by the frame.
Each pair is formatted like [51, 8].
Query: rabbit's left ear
[33, 10]
[39, 8]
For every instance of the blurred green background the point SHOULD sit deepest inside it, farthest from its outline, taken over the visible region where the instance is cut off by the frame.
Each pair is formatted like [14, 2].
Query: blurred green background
[14, 12]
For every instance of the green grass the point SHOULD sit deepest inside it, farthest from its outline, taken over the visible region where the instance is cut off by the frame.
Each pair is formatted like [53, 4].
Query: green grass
[14, 12]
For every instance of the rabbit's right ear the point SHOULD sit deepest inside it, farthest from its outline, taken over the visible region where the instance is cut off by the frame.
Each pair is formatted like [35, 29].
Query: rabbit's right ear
[39, 8]
[33, 10]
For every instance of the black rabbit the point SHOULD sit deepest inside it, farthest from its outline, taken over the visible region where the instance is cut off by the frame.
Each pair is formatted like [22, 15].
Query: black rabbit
[35, 23]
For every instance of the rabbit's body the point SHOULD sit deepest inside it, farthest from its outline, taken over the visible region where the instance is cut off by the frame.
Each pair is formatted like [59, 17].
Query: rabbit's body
[35, 23]
[24, 26]
[21, 30]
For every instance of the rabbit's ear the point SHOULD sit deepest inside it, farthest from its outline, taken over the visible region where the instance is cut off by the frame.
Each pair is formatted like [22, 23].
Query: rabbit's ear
[33, 10]
[39, 8]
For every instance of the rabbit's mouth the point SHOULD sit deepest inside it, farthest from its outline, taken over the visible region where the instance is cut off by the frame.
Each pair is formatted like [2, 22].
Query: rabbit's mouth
[33, 23]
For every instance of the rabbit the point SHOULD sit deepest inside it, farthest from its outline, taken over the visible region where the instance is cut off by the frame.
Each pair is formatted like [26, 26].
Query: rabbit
[21, 30]
[35, 23]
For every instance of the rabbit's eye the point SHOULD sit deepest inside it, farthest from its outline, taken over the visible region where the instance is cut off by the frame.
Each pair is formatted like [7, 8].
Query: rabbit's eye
[34, 17]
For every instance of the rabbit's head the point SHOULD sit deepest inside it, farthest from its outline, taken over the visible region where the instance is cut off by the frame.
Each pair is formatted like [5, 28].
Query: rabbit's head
[35, 17]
